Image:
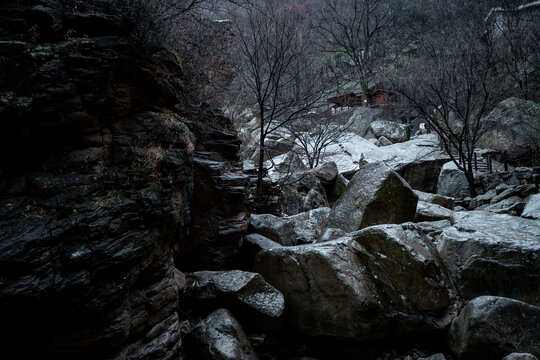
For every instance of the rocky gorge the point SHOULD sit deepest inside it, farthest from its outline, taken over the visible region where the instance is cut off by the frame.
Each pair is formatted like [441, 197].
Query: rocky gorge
[128, 228]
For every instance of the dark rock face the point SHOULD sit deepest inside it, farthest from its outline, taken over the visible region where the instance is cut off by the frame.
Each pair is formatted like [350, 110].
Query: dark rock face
[219, 212]
[96, 185]
[491, 327]
[87, 236]
[387, 280]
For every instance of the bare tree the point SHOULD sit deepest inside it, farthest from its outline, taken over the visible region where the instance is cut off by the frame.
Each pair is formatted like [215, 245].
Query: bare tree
[452, 83]
[313, 135]
[362, 31]
[274, 62]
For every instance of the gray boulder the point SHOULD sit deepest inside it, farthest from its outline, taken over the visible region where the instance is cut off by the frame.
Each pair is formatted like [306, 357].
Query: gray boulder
[444, 201]
[243, 292]
[332, 234]
[431, 212]
[252, 244]
[361, 118]
[532, 208]
[386, 280]
[375, 195]
[499, 189]
[438, 356]
[390, 130]
[279, 144]
[491, 327]
[308, 225]
[383, 141]
[452, 182]
[493, 254]
[433, 228]
[273, 227]
[326, 173]
[486, 198]
[520, 356]
[219, 337]
[259, 242]
[513, 205]
[515, 125]
[302, 191]
[291, 164]
[521, 191]
[296, 229]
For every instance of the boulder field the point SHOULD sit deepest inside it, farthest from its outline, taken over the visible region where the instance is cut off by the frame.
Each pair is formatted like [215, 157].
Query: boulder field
[128, 227]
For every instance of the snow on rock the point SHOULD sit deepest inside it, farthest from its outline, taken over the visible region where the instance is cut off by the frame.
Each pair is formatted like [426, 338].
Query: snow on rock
[354, 150]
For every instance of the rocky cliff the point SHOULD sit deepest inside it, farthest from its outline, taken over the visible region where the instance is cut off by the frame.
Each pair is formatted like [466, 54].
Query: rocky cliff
[99, 162]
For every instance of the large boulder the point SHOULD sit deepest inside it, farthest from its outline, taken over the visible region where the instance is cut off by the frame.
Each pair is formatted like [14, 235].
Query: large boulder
[386, 280]
[521, 191]
[308, 225]
[375, 195]
[219, 337]
[433, 228]
[444, 201]
[296, 229]
[515, 128]
[431, 212]
[493, 254]
[452, 182]
[245, 293]
[513, 205]
[273, 227]
[532, 208]
[361, 118]
[252, 244]
[302, 191]
[390, 130]
[491, 327]
[290, 163]
[326, 173]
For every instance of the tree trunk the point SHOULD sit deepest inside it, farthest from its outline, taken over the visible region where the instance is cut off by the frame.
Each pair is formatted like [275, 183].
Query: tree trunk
[364, 93]
[260, 170]
[470, 179]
